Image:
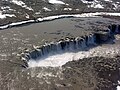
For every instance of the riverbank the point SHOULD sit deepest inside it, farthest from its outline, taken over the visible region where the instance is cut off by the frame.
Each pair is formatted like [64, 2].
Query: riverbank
[49, 18]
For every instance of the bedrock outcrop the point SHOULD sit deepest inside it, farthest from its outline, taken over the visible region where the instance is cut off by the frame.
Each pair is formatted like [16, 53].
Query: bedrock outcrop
[71, 44]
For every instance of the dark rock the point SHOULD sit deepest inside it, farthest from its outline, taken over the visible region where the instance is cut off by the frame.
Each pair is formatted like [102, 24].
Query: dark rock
[102, 36]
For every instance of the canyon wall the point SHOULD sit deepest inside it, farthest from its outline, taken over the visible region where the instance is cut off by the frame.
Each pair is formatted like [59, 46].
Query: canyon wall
[71, 44]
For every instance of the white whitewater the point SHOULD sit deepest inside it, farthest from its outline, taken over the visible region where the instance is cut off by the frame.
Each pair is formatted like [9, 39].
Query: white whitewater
[60, 59]
[58, 54]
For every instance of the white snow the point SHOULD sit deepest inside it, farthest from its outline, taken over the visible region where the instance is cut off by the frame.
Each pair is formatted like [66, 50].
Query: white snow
[46, 9]
[80, 15]
[118, 2]
[7, 8]
[4, 27]
[19, 23]
[2, 16]
[94, 4]
[60, 59]
[37, 13]
[77, 9]
[99, 13]
[55, 17]
[108, 0]
[98, 6]
[21, 3]
[56, 2]
[116, 6]
[72, 15]
[118, 87]
[27, 16]
[85, 1]
[111, 14]
[68, 9]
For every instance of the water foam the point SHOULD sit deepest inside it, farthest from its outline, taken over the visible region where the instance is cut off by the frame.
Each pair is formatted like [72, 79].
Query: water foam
[61, 59]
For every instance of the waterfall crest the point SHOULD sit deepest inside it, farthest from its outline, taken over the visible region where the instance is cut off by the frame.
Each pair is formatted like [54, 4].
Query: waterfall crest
[71, 44]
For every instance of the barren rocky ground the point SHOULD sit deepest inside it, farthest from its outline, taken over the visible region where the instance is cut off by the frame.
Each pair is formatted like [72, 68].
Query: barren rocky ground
[97, 68]
[19, 10]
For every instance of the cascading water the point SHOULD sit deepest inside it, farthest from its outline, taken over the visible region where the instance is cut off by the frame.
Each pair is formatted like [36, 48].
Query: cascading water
[65, 46]
[114, 28]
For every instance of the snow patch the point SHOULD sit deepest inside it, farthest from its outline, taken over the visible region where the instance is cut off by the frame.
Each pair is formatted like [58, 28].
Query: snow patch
[19, 23]
[2, 16]
[7, 8]
[46, 9]
[116, 6]
[118, 87]
[97, 6]
[37, 13]
[55, 17]
[27, 16]
[85, 1]
[68, 9]
[56, 2]
[108, 0]
[99, 13]
[94, 4]
[21, 3]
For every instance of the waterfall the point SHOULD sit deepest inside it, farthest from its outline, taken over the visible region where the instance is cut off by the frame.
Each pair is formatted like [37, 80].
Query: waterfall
[70, 44]
[114, 28]
[63, 45]
[91, 39]
[117, 29]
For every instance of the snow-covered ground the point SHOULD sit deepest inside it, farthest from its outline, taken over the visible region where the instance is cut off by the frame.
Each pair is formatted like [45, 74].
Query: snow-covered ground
[56, 2]
[2, 16]
[118, 87]
[19, 7]
[56, 17]
[46, 9]
[21, 3]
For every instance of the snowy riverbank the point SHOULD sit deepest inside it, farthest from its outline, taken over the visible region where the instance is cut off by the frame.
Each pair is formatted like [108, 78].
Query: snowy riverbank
[59, 16]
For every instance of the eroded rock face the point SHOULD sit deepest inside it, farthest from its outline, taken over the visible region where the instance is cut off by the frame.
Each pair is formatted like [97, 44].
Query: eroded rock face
[114, 28]
[71, 44]
[102, 36]
[63, 45]
[119, 29]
